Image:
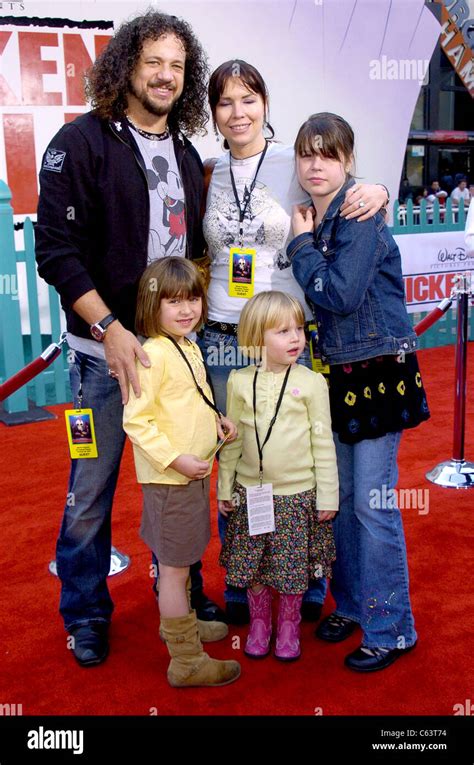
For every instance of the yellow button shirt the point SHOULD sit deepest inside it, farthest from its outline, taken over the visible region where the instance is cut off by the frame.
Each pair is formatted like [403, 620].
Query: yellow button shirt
[300, 452]
[170, 417]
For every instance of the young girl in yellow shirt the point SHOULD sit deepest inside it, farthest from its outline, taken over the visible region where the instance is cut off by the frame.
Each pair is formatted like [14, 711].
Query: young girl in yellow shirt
[173, 426]
[285, 446]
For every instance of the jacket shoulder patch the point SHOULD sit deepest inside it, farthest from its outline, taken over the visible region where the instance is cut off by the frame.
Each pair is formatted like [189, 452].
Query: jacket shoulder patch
[54, 160]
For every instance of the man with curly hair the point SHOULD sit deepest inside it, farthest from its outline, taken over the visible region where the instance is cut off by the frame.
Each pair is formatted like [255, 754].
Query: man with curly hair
[120, 186]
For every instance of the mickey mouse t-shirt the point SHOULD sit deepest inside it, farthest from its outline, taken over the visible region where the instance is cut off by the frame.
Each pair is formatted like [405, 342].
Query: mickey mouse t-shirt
[167, 207]
[167, 215]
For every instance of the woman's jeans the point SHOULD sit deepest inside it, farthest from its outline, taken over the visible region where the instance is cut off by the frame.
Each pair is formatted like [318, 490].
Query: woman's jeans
[221, 354]
[370, 574]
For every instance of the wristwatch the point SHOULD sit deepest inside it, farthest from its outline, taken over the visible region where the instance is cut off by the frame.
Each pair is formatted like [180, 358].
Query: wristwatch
[99, 329]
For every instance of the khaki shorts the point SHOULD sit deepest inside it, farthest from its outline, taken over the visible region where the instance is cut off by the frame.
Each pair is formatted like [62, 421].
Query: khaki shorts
[176, 521]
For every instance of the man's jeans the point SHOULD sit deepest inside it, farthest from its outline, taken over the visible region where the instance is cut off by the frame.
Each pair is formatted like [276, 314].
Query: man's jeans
[220, 352]
[83, 547]
[84, 544]
[370, 575]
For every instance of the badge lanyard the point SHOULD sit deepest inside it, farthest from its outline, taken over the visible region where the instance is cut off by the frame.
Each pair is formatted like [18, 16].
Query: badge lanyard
[247, 194]
[280, 398]
[82, 364]
[200, 390]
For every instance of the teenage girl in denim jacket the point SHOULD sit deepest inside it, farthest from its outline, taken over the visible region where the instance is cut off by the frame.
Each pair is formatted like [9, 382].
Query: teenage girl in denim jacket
[351, 275]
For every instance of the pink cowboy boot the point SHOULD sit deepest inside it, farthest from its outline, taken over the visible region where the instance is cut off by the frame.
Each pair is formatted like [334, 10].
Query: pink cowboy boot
[288, 630]
[258, 640]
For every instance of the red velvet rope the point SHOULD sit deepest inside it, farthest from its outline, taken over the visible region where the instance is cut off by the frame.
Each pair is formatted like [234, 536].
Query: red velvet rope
[38, 365]
[27, 373]
[429, 320]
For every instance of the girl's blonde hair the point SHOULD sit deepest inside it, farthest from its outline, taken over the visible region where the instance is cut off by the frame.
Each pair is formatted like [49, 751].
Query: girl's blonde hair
[166, 278]
[266, 310]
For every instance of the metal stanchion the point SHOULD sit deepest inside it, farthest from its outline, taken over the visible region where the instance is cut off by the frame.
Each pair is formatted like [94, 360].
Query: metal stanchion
[118, 562]
[457, 473]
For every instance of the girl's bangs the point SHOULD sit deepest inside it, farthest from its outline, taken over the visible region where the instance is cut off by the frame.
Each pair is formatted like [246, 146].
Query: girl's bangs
[181, 284]
[315, 138]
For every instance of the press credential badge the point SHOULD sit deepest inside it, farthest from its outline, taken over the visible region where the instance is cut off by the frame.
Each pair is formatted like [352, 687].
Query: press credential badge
[242, 271]
[81, 433]
[261, 515]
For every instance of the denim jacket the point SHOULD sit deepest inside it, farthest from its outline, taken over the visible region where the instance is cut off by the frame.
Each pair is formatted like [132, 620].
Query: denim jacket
[352, 277]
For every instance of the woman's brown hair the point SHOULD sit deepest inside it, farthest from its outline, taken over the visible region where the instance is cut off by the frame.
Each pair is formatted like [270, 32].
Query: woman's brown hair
[250, 78]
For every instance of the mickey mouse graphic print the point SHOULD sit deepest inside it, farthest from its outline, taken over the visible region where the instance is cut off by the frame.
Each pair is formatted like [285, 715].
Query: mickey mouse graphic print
[167, 203]
[266, 226]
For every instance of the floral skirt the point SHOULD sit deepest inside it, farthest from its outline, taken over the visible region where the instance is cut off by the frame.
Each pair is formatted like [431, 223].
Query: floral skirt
[301, 548]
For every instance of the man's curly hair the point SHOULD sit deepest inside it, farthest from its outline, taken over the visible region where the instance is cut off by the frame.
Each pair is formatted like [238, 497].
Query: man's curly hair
[108, 80]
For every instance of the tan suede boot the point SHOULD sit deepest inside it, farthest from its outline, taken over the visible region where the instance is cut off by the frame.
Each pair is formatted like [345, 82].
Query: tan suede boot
[190, 666]
[209, 632]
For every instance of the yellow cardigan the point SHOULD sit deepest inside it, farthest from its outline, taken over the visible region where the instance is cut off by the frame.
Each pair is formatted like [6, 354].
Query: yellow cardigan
[170, 417]
[300, 452]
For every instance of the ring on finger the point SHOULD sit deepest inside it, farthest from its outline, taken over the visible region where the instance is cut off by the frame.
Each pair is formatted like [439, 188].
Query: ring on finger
[111, 373]
[361, 203]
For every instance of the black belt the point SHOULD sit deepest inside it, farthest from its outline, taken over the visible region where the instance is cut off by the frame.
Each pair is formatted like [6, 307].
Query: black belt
[226, 328]
[223, 328]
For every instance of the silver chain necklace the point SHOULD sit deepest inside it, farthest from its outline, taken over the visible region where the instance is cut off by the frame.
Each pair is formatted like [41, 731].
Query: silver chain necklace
[151, 136]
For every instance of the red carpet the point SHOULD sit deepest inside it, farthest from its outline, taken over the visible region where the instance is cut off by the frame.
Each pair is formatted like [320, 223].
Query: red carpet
[38, 672]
